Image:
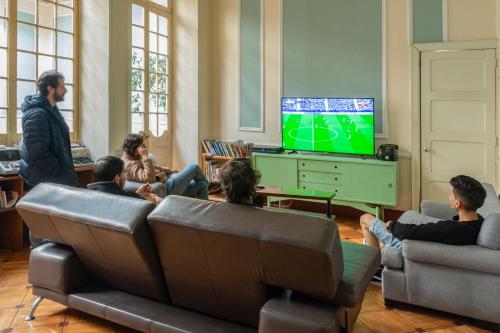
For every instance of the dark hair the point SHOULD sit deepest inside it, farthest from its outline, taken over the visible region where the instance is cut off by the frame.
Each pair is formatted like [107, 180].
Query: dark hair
[107, 167]
[238, 180]
[131, 143]
[469, 191]
[48, 79]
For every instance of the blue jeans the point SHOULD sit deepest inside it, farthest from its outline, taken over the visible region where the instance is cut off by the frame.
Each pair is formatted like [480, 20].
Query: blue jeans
[377, 228]
[190, 182]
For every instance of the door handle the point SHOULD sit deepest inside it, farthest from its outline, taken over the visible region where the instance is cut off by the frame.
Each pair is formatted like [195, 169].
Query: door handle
[427, 149]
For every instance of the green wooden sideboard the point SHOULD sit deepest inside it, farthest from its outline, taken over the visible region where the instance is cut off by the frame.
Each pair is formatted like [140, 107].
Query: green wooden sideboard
[366, 184]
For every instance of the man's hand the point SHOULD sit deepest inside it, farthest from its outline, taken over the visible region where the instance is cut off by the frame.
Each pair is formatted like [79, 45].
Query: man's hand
[144, 190]
[388, 225]
[143, 151]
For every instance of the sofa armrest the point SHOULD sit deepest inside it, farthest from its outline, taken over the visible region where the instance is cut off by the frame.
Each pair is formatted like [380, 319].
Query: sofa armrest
[56, 267]
[440, 210]
[392, 257]
[469, 257]
[298, 315]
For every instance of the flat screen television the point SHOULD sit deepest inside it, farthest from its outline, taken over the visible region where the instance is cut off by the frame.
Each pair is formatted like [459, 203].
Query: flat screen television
[328, 125]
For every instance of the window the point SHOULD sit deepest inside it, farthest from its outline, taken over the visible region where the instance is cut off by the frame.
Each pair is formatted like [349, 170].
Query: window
[150, 48]
[42, 36]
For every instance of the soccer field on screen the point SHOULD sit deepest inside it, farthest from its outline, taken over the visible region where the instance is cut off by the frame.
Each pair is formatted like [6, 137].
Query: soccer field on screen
[347, 133]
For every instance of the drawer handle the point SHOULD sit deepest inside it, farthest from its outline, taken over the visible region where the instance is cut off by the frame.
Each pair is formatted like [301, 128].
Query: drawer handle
[336, 178]
[303, 164]
[335, 167]
[336, 191]
[390, 184]
[304, 187]
[303, 176]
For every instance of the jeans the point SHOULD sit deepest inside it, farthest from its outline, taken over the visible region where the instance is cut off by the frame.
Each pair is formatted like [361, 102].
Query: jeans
[377, 228]
[190, 182]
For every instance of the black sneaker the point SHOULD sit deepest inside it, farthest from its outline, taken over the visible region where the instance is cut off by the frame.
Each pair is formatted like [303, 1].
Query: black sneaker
[377, 278]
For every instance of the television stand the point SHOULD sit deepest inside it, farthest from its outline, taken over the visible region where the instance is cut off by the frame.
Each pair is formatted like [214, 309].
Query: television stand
[365, 184]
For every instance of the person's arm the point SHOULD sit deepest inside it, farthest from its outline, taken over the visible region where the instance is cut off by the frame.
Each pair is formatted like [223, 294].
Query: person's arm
[141, 171]
[36, 138]
[434, 232]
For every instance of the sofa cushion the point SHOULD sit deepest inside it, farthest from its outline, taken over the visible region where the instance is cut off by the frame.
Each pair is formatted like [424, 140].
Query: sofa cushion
[413, 217]
[227, 259]
[392, 257]
[491, 203]
[360, 265]
[489, 235]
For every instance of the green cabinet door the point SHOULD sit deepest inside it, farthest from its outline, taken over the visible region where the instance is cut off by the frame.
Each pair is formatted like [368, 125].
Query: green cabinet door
[277, 171]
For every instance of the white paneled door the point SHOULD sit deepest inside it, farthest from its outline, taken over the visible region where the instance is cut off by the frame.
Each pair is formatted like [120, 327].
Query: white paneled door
[458, 118]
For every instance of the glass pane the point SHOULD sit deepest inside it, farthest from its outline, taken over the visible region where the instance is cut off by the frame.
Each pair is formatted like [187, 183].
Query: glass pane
[152, 83]
[68, 117]
[3, 62]
[153, 124]
[68, 3]
[137, 58]
[66, 67]
[153, 22]
[162, 45]
[26, 10]
[137, 79]
[64, 45]
[137, 37]
[46, 63]
[24, 89]
[19, 121]
[64, 19]
[67, 104]
[3, 93]
[162, 25]
[162, 64]
[137, 122]
[26, 37]
[162, 123]
[3, 121]
[162, 103]
[3, 32]
[161, 2]
[3, 8]
[137, 15]
[162, 84]
[152, 62]
[46, 14]
[137, 102]
[26, 66]
[46, 41]
[153, 42]
[153, 103]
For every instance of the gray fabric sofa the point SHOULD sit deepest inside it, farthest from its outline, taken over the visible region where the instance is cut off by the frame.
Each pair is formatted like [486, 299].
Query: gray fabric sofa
[191, 265]
[462, 280]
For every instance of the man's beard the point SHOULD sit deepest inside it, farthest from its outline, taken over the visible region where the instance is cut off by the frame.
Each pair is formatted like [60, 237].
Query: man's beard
[59, 98]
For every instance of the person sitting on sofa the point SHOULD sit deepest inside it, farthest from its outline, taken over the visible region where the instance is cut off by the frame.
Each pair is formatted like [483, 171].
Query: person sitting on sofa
[139, 167]
[238, 181]
[465, 196]
[110, 178]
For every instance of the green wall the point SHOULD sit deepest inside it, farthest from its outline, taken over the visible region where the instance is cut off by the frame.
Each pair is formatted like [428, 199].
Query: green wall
[333, 48]
[250, 63]
[427, 21]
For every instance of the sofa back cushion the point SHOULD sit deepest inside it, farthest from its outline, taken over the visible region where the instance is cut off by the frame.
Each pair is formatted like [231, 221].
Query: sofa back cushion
[489, 235]
[109, 234]
[491, 202]
[225, 259]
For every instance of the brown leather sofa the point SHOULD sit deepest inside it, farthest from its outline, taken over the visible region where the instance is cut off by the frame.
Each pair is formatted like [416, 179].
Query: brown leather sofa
[193, 266]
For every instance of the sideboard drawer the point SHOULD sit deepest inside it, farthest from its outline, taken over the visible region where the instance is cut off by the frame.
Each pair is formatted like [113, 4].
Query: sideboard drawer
[321, 187]
[321, 166]
[320, 177]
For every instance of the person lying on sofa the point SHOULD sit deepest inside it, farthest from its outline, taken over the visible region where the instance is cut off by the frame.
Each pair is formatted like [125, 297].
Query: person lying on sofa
[139, 167]
[238, 181]
[465, 195]
[109, 175]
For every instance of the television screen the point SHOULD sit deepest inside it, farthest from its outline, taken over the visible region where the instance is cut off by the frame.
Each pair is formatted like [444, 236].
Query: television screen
[333, 125]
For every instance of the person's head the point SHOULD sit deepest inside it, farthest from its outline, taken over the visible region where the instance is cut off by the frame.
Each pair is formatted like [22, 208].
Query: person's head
[466, 193]
[109, 168]
[131, 144]
[51, 85]
[238, 180]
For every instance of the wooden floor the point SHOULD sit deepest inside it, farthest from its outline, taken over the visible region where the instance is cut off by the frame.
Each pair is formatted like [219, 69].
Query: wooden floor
[16, 297]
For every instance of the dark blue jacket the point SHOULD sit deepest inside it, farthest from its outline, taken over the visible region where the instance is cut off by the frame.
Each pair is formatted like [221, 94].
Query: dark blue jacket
[46, 148]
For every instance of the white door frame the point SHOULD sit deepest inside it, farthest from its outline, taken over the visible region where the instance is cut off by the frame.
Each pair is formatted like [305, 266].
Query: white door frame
[415, 103]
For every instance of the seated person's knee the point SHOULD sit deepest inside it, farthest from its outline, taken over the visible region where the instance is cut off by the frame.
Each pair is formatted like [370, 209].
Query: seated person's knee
[365, 220]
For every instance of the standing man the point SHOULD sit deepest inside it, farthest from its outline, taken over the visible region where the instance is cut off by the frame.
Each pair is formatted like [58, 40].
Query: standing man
[46, 147]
